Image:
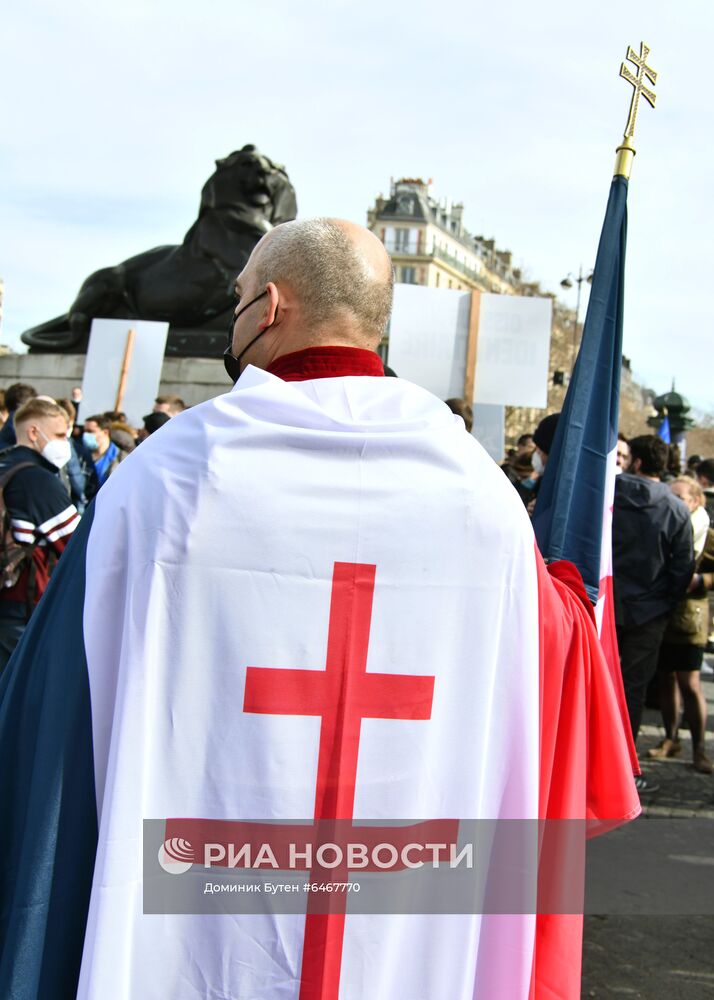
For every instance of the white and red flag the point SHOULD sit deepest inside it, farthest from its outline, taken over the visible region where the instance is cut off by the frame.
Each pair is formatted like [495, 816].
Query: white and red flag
[315, 600]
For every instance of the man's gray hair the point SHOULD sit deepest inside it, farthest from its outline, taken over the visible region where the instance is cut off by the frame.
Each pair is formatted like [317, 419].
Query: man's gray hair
[329, 277]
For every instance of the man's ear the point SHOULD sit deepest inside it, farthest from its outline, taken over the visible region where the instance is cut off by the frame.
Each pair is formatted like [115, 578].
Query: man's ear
[270, 316]
[636, 464]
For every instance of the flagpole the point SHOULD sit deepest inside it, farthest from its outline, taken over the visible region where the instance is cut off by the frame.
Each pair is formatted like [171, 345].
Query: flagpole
[578, 486]
[626, 150]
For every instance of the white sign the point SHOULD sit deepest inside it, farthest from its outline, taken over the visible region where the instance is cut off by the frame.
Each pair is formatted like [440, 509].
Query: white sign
[428, 335]
[428, 340]
[105, 357]
[513, 350]
[489, 429]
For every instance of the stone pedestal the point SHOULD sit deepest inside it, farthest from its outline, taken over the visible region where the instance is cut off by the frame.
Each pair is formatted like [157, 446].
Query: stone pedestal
[193, 379]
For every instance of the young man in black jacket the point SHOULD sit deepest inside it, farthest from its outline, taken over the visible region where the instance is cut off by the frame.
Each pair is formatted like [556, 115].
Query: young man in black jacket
[40, 514]
[653, 562]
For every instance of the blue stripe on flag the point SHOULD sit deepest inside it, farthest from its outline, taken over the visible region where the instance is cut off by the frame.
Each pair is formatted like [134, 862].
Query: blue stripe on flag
[48, 835]
[568, 514]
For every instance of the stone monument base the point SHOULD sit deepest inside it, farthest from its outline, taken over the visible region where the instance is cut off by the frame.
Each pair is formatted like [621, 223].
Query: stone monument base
[193, 379]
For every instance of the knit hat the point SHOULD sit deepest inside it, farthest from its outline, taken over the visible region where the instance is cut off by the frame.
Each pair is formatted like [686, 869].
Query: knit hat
[545, 432]
[152, 421]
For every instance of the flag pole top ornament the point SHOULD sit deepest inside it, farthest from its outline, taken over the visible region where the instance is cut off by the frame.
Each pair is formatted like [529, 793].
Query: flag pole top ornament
[639, 81]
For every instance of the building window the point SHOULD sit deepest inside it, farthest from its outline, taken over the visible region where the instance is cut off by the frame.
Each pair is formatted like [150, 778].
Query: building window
[409, 275]
[402, 240]
[438, 278]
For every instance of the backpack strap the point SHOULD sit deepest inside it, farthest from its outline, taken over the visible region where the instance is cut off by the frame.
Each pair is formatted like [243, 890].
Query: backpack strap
[7, 474]
[6, 477]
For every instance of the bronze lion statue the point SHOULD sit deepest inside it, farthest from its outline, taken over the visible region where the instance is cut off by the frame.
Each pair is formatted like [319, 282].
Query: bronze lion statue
[189, 286]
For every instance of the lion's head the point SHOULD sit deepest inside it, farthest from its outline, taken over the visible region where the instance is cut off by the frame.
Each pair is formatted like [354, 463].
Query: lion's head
[248, 178]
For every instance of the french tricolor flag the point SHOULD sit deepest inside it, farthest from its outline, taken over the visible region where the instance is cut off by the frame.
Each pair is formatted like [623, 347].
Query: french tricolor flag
[578, 487]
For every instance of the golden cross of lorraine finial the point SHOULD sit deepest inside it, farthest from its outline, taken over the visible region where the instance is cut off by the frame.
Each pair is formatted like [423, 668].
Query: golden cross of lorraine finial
[644, 72]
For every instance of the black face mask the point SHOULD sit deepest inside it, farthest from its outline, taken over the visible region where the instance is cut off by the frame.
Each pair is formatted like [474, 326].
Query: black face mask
[231, 363]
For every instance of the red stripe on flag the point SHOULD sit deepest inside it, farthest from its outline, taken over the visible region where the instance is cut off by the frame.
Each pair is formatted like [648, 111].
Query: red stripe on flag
[608, 641]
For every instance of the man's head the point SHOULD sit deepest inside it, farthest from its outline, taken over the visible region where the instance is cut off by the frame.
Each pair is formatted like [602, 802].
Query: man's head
[462, 409]
[171, 405]
[152, 422]
[17, 394]
[97, 433]
[522, 466]
[649, 456]
[70, 409]
[525, 445]
[543, 440]
[705, 473]
[623, 452]
[39, 422]
[309, 284]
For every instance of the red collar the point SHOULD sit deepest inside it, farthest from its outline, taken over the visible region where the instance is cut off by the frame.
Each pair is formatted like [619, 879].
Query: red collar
[326, 362]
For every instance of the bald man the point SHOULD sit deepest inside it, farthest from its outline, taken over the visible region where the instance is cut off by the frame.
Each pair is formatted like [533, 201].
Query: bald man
[307, 285]
[299, 634]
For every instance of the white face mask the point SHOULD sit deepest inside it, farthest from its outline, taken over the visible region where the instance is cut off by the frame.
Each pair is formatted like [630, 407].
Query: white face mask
[537, 462]
[57, 452]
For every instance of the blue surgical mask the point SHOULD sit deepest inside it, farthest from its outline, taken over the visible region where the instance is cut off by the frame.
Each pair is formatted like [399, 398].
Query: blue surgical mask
[90, 440]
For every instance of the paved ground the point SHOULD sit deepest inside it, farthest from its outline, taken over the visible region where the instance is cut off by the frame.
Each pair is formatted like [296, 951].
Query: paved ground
[655, 938]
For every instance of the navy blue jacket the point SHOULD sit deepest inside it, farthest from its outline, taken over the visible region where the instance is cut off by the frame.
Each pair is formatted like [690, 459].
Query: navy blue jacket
[652, 549]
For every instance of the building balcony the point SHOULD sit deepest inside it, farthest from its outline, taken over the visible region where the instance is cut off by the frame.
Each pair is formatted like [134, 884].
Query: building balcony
[437, 253]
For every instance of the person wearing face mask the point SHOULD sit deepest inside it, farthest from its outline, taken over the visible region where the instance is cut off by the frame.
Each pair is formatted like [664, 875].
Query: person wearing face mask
[39, 510]
[106, 454]
[78, 474]
[543, 440]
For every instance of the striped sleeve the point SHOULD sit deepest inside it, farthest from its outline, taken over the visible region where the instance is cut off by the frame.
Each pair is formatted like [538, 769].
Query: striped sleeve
[40, 509]
[22, 531]
[61, 526]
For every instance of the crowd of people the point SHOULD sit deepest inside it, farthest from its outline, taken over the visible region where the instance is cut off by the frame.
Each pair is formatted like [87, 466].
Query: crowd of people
[54, 460]
[663, 575]
[52, 463]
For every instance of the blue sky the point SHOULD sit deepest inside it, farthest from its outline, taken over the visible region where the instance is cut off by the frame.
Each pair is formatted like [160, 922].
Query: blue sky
[119, 110]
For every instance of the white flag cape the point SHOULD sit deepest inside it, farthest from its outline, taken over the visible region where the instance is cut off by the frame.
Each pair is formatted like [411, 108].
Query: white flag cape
[215, 555]
[214, 550]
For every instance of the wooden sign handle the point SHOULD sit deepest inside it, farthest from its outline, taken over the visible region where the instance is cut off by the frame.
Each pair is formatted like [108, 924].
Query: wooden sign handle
[130, 337]
[472, 347]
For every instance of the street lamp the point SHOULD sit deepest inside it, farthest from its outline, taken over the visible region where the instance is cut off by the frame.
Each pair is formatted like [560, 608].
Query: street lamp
[568, 282]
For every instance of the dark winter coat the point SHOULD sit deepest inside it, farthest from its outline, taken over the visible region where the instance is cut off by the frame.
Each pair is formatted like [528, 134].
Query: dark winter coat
[652, 549]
